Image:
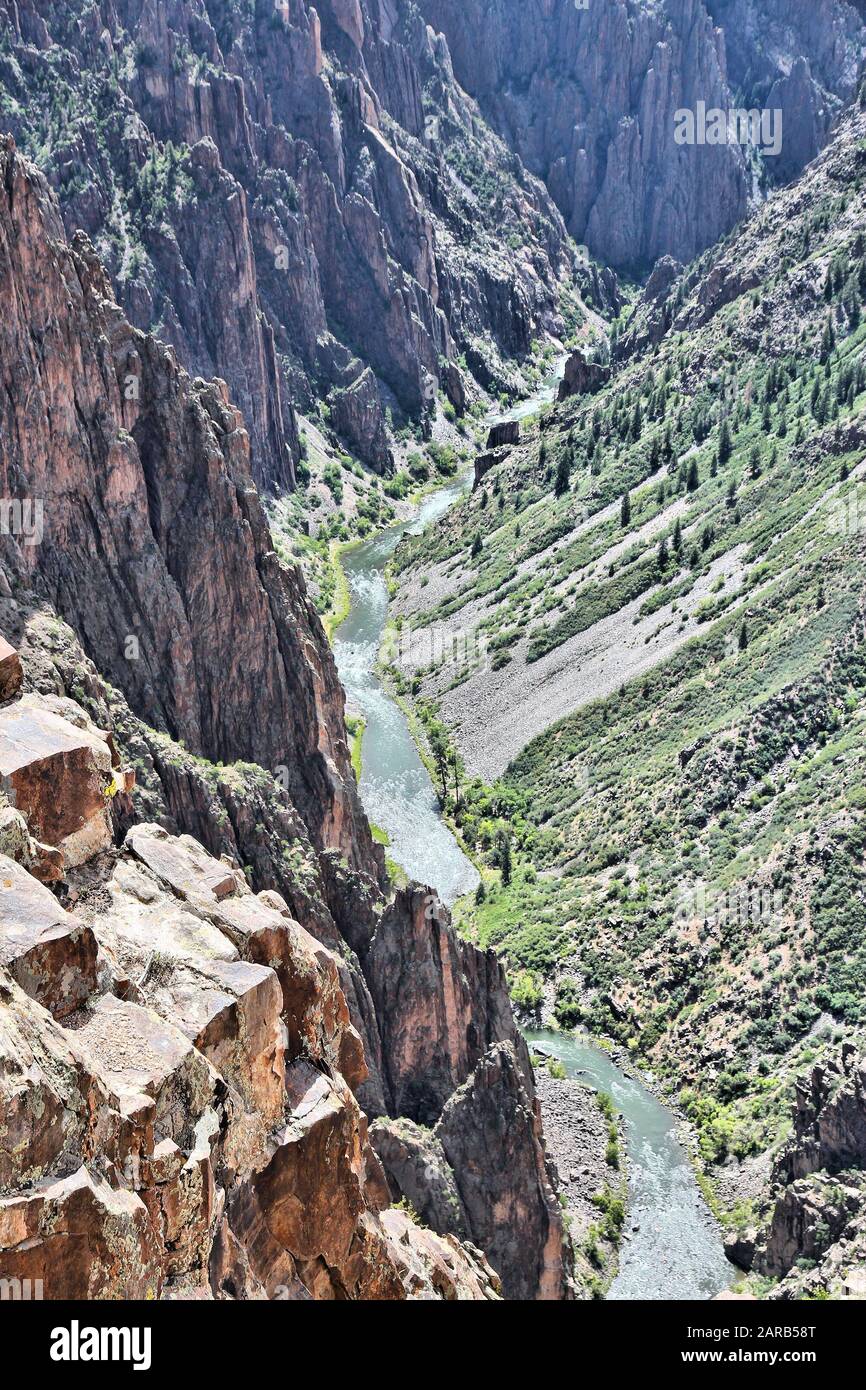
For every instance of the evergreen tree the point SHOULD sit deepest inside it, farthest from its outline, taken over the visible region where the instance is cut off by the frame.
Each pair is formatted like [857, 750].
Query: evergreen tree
[563, 473]
[625, 510]
[725, 444]
[505, 857]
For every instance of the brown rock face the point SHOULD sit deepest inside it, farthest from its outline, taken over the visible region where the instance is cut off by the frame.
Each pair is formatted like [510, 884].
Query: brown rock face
[261, 930]
[506, 433]
[58, 775]
[79, 1238]
[417, 1170]
[49, 953]
[818, 1215]
[167, 1144]
[167, 573]
[440, 1003]
[490, 1132]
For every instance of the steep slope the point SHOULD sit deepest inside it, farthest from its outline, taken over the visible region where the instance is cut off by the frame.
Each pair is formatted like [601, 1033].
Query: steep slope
[137, 576]
[300, 200]
[587, 94]
[672, 558]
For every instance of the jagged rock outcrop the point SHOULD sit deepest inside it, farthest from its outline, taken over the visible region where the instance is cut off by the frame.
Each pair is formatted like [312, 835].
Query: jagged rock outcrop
[441, 1003]
[273, 187]
[829, 1121]
[512, 1210]
[419, 1173]
[582, 377]
[800, 56]
[603, 83]
[181, 1126]
[156, 547]
[815, 1239]
[483, 1173]
[587, 96]
[356, 414]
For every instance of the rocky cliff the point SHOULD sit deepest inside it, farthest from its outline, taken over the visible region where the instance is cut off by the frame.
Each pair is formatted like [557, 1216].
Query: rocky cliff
[226, 1037]
[814, 1242]
[300, 200]
[587, 95]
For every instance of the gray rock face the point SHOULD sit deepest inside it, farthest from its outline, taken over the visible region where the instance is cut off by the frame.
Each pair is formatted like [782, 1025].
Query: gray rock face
[273, 187]
[418, 1171]
[802, 56]
[490, 1132]
[582, 377]
[819, 1214]
[829, 1123]
[587, 97]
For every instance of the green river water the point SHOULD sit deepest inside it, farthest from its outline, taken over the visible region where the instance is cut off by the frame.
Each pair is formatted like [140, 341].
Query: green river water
[675, 1252]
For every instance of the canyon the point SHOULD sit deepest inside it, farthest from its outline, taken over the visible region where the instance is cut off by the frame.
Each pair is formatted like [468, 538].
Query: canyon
[437, 278]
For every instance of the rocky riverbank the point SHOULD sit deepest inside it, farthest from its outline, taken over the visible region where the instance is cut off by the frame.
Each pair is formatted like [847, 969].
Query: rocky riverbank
[578, 1132]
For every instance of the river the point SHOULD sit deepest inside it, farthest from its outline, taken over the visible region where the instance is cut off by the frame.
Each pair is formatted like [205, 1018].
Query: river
[676, 1252]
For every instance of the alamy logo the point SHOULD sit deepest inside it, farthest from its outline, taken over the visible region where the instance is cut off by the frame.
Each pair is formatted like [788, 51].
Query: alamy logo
[77, 1343]
[21, 1290]
[737, 126]
[22, 518]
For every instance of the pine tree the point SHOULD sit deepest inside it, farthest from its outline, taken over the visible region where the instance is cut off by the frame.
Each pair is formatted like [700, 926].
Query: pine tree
[505, 857]
[693, 477]
[744, 636]
[563, 473]
[625, 510]
[477, 545]
[725, 445]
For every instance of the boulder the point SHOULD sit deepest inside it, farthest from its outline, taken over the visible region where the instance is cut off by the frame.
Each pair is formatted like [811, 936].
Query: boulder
[11, 674]
[50, 953]
[82, 1238]
[59, 775]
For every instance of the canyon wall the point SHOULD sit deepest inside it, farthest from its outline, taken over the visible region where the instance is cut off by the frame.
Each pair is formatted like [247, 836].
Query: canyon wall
[299, 199]
[181, 743]
[586, 94]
